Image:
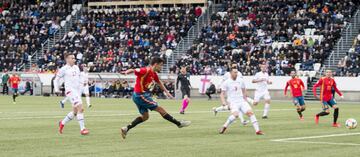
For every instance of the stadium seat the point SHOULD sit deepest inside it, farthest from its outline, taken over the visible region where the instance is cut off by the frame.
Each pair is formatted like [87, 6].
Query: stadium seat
[317, 67]
[297, 66]
[312, 74]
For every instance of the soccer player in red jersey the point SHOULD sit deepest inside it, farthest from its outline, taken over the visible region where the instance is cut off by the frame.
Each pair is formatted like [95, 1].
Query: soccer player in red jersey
[296, 86]
[146, 78]
[14, 83]
[326, 84]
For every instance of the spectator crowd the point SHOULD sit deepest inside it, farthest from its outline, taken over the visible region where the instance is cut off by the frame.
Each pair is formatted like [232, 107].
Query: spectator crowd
[280, 33]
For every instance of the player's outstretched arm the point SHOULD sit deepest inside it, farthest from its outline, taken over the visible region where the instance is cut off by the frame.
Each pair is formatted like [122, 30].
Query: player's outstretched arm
[222, 97]
[129, 71]
[317, 85]
[337, 90]
[162, 87]
[286, 88]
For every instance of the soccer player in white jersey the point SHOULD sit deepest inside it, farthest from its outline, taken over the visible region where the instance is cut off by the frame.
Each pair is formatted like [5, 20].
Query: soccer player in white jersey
[70, 73]
[262, 80]
[236, 98]
[84, 78]
[225, 107]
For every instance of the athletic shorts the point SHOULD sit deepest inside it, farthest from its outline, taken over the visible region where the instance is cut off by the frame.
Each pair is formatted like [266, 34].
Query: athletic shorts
[329, 104]
[74, 96]
[261, 95]
[299, 101]
[15, 90]
[185, 91]
[144, 102]
[239, 107]
[85, 90]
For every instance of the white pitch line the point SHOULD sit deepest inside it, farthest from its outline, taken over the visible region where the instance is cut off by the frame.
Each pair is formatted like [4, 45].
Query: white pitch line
[313, 137]
[329, 143]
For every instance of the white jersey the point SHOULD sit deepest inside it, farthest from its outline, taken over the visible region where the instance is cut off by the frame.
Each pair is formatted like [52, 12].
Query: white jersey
[71, 77]
[263, 85]
[84, 78]
[233, 89]
[226, 76]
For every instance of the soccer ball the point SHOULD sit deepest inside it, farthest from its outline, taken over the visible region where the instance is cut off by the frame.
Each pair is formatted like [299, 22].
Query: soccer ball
[351, 123]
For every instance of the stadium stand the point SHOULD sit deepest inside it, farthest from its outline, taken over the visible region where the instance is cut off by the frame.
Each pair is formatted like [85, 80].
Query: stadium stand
[349, 66]
[113, 41]
[284, 34]
[25, 25]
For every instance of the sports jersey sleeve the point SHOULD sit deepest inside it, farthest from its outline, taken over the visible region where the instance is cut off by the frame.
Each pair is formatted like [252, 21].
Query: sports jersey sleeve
[256, 77]
[224, 86]
[140, 71]
[336, 89]
[59, 75]
[317, 85]
[286, 88]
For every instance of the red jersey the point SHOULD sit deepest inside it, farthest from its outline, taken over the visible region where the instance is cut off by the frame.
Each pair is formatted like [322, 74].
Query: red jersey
[145, 78]
[296, 87]
[14, 81]
[326, 85]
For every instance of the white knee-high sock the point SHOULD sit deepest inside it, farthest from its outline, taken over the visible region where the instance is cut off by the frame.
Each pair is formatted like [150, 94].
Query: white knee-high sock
[255, 123]
[70, 116]
[87, 98]
[222, 108]
[229, 120]
[241, 117]
[249, 100]
[266, 109]
[80, 118]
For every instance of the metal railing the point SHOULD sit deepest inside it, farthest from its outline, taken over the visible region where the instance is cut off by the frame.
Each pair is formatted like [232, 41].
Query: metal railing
[186, 42]
[345, 42]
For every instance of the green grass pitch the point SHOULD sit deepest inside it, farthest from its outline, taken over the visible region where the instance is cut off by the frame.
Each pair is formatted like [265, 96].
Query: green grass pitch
[29, 128]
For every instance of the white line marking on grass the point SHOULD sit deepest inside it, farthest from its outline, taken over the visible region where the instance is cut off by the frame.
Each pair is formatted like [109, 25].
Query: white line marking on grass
[328, 143]
[301, 139]
[312, 137]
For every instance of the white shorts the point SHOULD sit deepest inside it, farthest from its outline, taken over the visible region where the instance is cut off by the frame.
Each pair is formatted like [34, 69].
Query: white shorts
[85, 90]
[261, 95]
[240, 107]
[74, 97]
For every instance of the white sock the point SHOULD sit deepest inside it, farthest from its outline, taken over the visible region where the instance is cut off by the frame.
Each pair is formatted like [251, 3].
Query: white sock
[80, 118]
[241, 117]
[249, 100]
[64, 100]
[222, 108]
[70, 116]
[254, 123]
[229, 120]
[266, 109]
[87, 98]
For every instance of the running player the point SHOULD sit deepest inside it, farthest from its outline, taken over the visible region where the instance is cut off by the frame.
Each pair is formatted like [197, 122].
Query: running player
[236, 98]
[84, 78]
[145, 81]
[185, 88]
[262, 81]
[297, 86]
[14, 82]
[225, 107]
[326, 85]
[70, 73]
